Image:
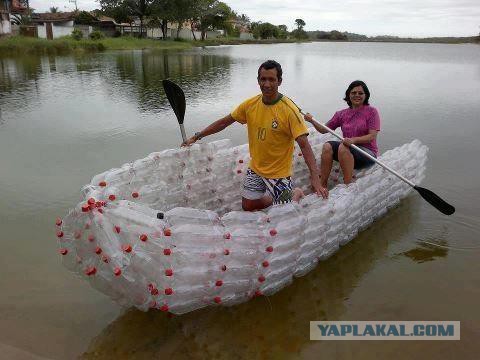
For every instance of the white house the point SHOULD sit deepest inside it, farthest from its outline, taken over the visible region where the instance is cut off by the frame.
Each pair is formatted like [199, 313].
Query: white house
[54, 25]
[5, 27]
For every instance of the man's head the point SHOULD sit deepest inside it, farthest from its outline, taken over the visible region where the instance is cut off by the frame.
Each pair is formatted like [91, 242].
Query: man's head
[269, 79]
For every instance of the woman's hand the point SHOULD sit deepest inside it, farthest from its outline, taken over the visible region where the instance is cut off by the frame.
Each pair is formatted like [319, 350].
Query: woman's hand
[348, 141]
[308, 117]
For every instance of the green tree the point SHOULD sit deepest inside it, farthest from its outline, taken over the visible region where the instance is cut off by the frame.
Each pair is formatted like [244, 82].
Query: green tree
[300, 24]
[282, 31]
[164, 11]
[266, 31]
[124, 9]
[299, 33]
[182, 11]
[84, 18]
[54, 9]
[211, 15]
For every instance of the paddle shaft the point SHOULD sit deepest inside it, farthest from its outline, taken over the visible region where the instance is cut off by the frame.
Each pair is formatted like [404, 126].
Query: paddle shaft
[366, 154]
[182, 129]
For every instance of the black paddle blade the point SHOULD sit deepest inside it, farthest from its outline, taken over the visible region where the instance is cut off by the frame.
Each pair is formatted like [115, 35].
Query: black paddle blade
[435, 200]
[176, 98]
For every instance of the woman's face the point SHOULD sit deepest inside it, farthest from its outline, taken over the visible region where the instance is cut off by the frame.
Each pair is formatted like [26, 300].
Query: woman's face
[357, 96]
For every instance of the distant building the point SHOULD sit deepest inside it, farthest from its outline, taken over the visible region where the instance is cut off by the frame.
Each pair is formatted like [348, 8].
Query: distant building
[5, 26]
[54, 25]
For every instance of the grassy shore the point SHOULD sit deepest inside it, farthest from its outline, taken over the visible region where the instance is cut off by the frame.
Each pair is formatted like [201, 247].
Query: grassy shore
[19, 45]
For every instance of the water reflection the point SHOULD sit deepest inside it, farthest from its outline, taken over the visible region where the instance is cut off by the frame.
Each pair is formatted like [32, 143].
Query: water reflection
[135, 76]
[139, 75]
[274, 327]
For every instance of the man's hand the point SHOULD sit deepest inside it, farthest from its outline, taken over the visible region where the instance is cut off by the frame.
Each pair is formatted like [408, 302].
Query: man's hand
[317, 186]
[348, 141]
[189, 141]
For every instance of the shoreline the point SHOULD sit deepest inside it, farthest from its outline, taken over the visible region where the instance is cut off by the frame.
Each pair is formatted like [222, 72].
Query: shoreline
[19, 45]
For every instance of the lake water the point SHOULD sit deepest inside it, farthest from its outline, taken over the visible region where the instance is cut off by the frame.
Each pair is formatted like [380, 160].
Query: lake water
[64, 119]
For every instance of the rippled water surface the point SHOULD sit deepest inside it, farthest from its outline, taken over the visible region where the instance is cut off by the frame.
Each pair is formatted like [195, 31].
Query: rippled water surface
[64, 119]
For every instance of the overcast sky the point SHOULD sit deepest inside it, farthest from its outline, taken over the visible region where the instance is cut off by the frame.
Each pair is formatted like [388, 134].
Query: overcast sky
[416, 18]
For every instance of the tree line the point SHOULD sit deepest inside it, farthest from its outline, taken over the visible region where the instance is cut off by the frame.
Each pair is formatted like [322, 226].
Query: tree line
[202, 15]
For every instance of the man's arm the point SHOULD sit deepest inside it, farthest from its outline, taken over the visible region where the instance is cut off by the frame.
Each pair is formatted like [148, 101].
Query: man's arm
[213, 128]
[309, 157]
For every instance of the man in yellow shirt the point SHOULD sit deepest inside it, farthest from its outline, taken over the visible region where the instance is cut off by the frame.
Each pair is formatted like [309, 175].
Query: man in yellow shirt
[273, 122]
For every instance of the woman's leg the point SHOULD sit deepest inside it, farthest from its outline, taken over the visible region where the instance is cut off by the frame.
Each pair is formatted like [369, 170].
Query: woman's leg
[347, 162]
[326, 163]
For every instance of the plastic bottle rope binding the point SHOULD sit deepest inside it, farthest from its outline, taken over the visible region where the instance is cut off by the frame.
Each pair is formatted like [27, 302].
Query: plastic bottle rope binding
[178, 248]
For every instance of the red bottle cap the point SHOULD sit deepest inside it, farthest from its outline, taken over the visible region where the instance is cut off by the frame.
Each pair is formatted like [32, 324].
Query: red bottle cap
[63, 251]
[154, 291]
[143, 237]
[91, 238]
[117, 229]
[269, 249]
[59, 234]
[58, 222]
[227, 236]
[224, 268]
[127, 248]
[169, 272]
[135, 194]
[91, 201]
[217, 299]
[273, 232]
[258, 293]
[265, 263]
[226, 252]
[168, 291]
[117, 271]
[91, 270]
[239, 171]
[102, 183]
[167, 232]
[98, 250]
[240, 161]
[111, 197]
[261, 278]
[164, 308]
[218, 283]
[85, 208]
[167, 252]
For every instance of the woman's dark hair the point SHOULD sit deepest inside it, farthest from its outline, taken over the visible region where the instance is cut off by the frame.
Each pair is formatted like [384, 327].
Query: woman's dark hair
[271, 64]
[355, 84]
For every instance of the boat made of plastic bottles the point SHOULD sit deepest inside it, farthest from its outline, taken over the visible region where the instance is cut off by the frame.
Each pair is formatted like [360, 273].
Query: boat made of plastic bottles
[167, 231]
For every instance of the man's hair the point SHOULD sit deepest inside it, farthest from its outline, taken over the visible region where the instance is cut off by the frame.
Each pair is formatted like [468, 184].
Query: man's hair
[271, 64]
[355, 84]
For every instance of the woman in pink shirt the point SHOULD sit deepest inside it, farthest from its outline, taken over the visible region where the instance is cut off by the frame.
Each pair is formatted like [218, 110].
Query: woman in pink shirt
[360, 124]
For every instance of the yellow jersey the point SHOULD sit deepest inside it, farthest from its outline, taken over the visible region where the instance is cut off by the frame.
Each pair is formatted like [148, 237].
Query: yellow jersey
[272, 129]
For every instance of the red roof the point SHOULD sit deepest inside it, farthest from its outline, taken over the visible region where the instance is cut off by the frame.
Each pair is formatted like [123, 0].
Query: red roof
[53, 17]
